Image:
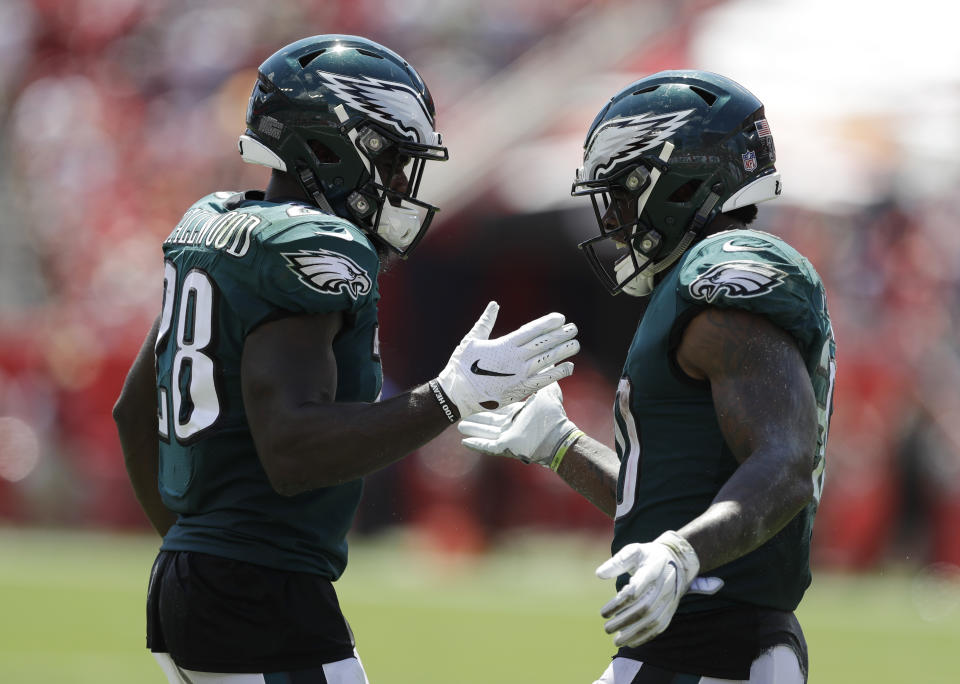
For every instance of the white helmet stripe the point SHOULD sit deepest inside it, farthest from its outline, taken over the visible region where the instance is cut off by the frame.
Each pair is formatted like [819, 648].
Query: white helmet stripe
[654, 177]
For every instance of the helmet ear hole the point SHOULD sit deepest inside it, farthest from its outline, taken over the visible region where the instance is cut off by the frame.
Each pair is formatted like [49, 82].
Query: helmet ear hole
[323, 153]
[686, 191]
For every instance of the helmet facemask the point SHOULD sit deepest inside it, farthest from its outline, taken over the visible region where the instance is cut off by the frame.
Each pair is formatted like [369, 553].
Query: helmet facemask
[394, 215]
[625, 194]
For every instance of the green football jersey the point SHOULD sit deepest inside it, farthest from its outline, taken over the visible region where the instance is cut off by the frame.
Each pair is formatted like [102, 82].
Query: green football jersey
[234, 262]
[673, 459]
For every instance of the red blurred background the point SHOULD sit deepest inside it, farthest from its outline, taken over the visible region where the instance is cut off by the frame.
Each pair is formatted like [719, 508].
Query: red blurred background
[118, 114]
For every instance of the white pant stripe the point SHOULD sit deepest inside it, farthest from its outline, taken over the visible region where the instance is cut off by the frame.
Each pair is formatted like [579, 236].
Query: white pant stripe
[347, 671]
[779, 665]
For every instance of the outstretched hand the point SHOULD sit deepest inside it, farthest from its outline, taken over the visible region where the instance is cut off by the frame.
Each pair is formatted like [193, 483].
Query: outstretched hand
[488, 374]
[530, 431]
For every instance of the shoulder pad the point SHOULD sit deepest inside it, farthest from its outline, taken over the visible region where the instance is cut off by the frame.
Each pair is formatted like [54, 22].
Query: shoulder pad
[741, 265]
[318, 265]
[216, 200]
[238, 198]
[757, 272]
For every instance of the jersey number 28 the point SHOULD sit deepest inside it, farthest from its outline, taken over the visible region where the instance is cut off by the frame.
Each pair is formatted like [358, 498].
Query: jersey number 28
[193, 388]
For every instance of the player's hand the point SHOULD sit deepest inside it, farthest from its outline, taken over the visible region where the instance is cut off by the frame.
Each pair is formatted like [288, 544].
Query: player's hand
[531, 431]
[487, 374]
[662, 572]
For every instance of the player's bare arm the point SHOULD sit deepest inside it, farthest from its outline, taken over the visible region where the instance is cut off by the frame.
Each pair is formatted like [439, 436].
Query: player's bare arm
[591, 469]
[136, 416]
[306, 440]
[768, 416]
[538, 431]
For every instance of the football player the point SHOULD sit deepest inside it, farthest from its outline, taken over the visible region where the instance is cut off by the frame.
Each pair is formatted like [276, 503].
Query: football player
[251, 413]
[724, 402]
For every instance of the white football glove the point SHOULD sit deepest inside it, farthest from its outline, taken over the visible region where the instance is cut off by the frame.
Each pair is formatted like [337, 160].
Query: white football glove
[487, 374]
[531, 431]
[662, 572]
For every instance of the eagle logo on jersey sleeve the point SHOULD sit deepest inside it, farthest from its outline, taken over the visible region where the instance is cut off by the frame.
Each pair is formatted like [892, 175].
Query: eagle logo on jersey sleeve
[329, 272]
[738, 279]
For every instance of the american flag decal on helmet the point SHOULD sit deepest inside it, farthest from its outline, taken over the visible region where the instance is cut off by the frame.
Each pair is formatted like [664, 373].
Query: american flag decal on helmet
[763, 128]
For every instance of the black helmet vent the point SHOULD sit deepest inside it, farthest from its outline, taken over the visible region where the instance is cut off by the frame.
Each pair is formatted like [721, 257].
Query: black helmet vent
[264, 84]
[324, 154]
[368, 53]
[306, 59]
[709, 98]
[686, 191]
[645, 90]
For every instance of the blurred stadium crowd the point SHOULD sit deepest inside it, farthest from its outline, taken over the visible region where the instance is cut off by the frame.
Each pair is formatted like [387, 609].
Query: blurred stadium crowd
[118, 114]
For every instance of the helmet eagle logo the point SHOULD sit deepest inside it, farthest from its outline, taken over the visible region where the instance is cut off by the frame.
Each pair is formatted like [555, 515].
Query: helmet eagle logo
[329, 272]
[393, 104]
[621, 140]
[739, 279]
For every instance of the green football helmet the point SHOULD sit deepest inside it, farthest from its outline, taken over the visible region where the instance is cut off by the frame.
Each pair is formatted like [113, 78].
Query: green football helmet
[683, 146]
[344, 114]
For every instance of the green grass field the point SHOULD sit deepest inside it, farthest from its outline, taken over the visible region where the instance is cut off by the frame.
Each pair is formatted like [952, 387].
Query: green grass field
[72, 613]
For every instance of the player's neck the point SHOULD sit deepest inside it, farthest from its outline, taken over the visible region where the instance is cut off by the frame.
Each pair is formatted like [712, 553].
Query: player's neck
[283, 185]
[722, 223]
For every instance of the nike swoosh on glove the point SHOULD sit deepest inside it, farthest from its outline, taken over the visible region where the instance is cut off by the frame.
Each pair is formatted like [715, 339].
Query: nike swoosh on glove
[487, 374]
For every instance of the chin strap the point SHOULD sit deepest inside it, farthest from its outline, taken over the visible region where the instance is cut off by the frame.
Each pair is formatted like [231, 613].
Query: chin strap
[641, 284]
[703, 213]
[677, 252]
[309, 182]
[696, 226]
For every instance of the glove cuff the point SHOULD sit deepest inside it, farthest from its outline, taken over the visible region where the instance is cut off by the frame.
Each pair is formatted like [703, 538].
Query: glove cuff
[449, 408]
[553, 443]
[688, 563]
[451, 386]
[568, 439]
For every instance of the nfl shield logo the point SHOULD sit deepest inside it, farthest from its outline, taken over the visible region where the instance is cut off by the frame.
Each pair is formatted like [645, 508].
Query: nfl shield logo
[749, 161]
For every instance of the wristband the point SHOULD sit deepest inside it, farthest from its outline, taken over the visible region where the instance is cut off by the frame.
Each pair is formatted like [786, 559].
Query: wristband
[567, 442]
[448, 410]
